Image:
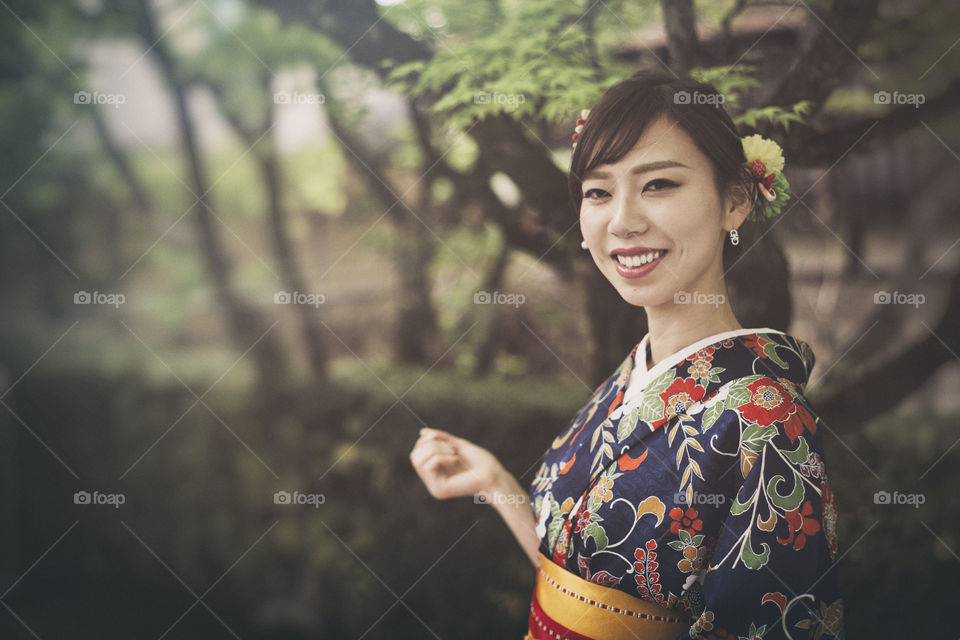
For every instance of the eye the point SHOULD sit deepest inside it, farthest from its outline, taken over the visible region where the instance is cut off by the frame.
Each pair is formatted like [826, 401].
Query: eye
[663, 184]
[600, 193]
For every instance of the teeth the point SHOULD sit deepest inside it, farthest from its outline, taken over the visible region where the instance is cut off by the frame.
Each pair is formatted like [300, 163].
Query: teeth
[638, 260]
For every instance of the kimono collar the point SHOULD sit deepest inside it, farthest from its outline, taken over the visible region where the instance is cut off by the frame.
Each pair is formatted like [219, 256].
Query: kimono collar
[772, 353]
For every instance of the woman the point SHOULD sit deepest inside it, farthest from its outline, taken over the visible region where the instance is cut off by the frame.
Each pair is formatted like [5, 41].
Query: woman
[688, 497]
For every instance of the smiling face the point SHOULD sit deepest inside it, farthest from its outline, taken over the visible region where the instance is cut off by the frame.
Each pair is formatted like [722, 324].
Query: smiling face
[658, 208]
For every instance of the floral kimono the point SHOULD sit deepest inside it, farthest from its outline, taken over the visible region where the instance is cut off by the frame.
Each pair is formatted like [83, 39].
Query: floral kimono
[699, 485]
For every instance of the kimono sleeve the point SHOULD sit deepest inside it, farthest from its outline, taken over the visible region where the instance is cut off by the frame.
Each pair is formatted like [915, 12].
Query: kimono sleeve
[772, 574]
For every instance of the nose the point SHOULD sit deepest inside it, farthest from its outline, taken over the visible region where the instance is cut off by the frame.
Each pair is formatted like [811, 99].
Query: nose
[629, 216]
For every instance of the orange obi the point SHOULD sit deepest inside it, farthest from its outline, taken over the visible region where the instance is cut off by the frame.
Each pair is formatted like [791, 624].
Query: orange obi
[564, 605]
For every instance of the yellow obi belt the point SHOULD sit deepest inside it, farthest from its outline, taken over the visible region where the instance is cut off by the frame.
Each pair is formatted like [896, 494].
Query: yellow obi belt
[564, 605]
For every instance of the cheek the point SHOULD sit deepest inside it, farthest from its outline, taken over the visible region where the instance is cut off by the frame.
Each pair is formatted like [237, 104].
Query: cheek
[591, 223]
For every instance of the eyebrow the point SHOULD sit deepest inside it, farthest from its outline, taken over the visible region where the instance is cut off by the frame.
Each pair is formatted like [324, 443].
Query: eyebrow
[640, 168]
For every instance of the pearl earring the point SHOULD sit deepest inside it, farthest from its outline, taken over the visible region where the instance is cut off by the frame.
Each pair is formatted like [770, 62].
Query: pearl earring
[734, 237]
[583, 245]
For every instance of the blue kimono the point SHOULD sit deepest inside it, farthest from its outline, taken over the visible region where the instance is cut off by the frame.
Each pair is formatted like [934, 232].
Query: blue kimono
[700, 485]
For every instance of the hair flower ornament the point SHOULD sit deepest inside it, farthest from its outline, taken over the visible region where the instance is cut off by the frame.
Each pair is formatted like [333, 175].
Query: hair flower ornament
[580, 121]
[765, 160]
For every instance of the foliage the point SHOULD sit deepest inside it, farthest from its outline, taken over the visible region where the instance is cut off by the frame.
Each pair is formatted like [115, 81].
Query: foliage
[536, 64]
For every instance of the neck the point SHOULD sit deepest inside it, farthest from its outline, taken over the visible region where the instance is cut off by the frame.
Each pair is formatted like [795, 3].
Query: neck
[673, 326]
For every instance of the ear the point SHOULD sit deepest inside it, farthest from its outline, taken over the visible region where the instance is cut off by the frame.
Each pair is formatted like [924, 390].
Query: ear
[736, 206]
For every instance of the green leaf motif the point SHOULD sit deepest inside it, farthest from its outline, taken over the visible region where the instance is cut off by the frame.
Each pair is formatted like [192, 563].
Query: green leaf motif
[752, 559]
[627, 424]
[800, 454]
[770, 349]
[651, 408]
[661, 383]
[595, 531]
[790, 502]
[739, 507]
[710, 416]
[556, 522]
[737, 396]
[755, 437]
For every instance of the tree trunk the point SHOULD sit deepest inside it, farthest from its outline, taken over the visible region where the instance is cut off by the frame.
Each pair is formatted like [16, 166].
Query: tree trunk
[487, 349]
[248, 329]
[416, 323]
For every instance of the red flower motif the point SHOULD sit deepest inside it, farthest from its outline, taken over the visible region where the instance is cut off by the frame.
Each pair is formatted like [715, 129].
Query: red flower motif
[756, 343]
[799, 420]
[677, 397]
[705, 354]
[583, 519]
[686, 520]
[769, 402]
[800, 525]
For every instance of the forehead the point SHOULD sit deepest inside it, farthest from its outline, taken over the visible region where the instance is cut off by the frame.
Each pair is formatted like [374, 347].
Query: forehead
[663, 144]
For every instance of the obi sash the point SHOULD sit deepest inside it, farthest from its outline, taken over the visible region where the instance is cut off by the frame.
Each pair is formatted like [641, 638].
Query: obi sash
[564, 605]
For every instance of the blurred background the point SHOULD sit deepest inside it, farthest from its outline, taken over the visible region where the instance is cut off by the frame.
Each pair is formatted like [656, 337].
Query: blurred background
[251, 247]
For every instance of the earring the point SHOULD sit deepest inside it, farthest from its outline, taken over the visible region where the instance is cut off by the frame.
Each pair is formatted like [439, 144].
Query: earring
[734, 237]
[583, 245]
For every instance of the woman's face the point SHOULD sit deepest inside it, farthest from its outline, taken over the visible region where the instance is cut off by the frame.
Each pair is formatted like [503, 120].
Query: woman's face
[658, 209]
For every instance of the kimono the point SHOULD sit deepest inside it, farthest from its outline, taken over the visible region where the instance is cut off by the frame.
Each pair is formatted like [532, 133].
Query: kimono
[699, 485]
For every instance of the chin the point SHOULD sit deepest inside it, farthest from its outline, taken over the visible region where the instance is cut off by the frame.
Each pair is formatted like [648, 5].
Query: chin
[643, 296]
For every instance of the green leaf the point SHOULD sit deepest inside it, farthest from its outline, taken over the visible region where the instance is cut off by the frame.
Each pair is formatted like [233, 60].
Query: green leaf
[739, 507]
[661, 383]
[651, 408]
[739, 394]
[770, 349]
[800, 454]
[755, 437]
[627, 424]
[752, 559]
[790, 502]
[595, 531]
[710, 416]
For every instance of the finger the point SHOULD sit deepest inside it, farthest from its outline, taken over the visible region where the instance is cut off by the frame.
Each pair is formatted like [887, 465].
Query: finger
[437, 461]
[447, 445]
[428, 432]
[422, 452]
[429, 461]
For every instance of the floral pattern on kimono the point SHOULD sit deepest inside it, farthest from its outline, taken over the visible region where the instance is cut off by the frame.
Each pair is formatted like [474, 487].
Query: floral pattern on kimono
[705, 493]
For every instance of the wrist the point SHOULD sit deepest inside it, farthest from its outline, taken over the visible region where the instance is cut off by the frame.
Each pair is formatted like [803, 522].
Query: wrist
[505, 491]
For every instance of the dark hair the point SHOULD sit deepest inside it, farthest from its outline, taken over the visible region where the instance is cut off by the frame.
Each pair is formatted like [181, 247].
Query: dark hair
[627, 108]
[624, 112]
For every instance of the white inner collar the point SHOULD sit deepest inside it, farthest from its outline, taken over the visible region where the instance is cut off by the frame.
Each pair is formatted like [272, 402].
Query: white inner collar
[641, 376]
